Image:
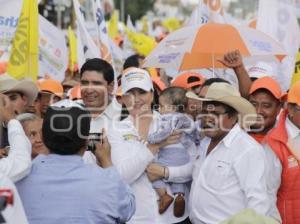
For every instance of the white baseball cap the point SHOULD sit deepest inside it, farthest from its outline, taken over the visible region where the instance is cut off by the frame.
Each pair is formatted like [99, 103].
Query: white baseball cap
[136, 78]
[261, 69]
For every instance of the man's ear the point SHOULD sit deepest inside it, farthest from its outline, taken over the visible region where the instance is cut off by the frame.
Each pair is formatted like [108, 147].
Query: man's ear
[110, 88]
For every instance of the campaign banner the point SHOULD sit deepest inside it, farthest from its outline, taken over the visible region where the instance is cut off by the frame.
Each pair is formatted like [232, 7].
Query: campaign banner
[53, 51]
[277, 18]
[9, 15]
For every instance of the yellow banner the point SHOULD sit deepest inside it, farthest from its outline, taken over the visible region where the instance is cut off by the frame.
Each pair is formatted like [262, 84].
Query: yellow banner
[113, 25]
[171, 24]
[141, 43]
[296, 76]
[72, 49]
[23, 61]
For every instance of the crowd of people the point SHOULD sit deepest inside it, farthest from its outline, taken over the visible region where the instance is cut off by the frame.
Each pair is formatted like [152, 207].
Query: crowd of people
[192, 150]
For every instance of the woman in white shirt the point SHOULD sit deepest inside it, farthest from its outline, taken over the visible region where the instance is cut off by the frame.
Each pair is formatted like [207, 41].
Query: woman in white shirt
[131, 154]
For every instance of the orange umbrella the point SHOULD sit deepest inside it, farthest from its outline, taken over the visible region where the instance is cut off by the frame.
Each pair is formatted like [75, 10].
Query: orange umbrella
[200, 47]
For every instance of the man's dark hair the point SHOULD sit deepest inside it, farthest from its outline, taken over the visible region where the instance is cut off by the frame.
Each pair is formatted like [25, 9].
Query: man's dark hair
[176, 97]
[133, 61]
[100, 66]
[65, 130]
[193, 79]
[264, 90]
[210, 81]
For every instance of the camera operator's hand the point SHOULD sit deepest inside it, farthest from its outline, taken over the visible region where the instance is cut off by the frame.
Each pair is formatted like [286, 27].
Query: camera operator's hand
[6, 109]
[102, 152]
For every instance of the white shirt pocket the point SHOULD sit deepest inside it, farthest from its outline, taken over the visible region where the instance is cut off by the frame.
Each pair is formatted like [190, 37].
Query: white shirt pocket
[218, 174]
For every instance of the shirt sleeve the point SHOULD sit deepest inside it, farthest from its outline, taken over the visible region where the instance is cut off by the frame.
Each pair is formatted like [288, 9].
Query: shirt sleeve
[164, 130]
[18, 162]
[183, 174]
[131, 157]
[250, 170]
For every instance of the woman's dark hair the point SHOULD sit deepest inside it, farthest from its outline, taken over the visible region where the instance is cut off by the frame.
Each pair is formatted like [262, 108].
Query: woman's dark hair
[154, 106]
[100, 66]
[210, 81]
[133, 61]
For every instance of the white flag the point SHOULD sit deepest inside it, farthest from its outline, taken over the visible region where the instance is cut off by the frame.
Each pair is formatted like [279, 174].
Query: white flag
[53, 51]
[86, 44]
[102, 40]
[277, 18]
[199, 15]
[207, 11]
[129, 24]
[9, 15]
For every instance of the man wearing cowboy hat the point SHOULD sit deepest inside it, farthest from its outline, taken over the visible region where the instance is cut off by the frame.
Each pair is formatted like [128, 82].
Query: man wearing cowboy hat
[229, 175]
[21, 93]
[18, 162]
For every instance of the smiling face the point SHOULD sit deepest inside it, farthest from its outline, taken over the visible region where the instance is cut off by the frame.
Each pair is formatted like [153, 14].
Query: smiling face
[267, 107]
[45, 100]
[33, 130]
[138, 101]
[94, 91]
[18, 101]
[217, 120]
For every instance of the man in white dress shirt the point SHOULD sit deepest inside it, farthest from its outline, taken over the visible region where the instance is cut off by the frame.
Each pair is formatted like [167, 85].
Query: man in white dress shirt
[96, 80]
[229, 174]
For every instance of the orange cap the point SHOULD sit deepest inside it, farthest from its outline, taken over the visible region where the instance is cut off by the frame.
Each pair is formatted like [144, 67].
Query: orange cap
[182, 80]
[75, 93]
[3, 67]
[52, 86]
[158, 83]
[294, 94]
[267, 83]
[118, 40]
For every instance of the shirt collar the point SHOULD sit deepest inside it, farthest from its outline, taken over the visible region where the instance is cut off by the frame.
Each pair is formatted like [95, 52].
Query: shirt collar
[56, 157]
[292, 130]
[227, 140]
[231, 135]
[112, 110]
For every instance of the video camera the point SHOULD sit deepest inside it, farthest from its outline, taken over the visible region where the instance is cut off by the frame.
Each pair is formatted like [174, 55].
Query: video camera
[6, 198]
[92, 140]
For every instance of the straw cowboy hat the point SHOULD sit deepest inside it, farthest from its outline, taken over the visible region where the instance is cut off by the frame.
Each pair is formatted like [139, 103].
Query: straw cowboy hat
[24, 86]
[229, 95]
[249, 216]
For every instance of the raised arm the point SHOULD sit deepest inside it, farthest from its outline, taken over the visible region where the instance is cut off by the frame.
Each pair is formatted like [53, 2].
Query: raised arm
[18, 162]
[234, 60]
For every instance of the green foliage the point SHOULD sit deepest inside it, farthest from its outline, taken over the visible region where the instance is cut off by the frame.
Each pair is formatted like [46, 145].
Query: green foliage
[135, 8]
